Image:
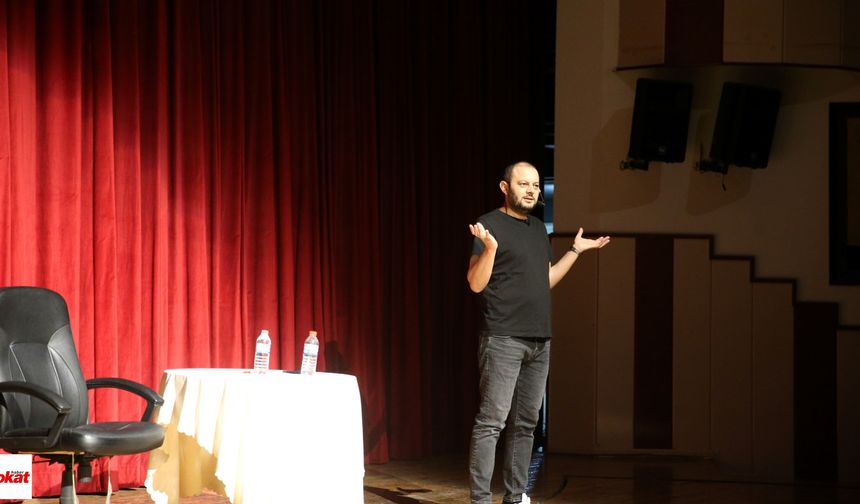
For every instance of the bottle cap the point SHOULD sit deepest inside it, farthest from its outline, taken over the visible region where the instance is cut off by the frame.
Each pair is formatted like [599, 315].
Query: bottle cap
[312, 333]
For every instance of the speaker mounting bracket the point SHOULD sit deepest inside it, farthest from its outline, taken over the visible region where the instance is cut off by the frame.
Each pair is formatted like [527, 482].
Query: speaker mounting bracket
[634, 164]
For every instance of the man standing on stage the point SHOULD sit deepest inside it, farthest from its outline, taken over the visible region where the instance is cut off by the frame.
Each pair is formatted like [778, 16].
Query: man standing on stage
[511, 267]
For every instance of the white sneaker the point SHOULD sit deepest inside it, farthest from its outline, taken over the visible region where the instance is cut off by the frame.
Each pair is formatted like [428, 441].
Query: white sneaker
[526, 500]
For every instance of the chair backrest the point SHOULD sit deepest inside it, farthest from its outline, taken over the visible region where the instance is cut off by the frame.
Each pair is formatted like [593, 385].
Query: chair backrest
[36, 346]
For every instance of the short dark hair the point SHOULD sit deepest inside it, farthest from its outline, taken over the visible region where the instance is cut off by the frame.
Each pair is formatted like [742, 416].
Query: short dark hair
[509, 170]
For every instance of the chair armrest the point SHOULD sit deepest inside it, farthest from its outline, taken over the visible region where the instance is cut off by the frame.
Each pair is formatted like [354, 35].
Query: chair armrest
[53, 399]
[152, 397]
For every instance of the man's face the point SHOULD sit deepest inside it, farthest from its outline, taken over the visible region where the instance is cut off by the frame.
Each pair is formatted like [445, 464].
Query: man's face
[523, 189]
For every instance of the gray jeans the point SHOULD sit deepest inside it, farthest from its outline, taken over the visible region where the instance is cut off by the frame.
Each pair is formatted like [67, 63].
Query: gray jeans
[513, 380]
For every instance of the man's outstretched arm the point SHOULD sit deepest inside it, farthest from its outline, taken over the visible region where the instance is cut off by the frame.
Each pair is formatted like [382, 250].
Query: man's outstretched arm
[558, 270]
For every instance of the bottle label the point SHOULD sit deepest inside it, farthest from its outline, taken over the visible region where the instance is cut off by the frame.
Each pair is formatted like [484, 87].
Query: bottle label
[311, 349]
[263, 347]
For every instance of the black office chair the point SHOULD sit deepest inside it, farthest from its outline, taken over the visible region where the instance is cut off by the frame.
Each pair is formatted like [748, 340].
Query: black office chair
[43, 395]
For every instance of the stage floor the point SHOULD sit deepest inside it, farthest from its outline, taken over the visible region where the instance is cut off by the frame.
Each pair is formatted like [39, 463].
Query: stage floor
[597, 480]
[563, 479]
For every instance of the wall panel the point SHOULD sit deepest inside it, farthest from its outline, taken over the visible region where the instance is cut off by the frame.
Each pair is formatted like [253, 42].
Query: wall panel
[692, 356]
[570, 398]
[615, 326]
[752, 32]
[815, 389]
[731, 365]
[812, 30]
[642, 32]
[773, 381]
[848, 404]
[653, 342]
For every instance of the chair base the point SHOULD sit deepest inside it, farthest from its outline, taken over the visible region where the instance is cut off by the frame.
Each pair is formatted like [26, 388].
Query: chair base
[70, 477]
[67, 488]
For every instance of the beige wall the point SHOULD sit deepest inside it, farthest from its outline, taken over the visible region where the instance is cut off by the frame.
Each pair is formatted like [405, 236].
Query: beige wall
[733, 381]
[779, 214]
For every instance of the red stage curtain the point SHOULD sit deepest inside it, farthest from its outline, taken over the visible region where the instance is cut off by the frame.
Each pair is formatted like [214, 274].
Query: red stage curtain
[187, 173]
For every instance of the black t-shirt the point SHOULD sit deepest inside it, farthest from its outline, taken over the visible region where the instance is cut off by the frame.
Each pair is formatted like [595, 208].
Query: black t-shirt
[516, 301]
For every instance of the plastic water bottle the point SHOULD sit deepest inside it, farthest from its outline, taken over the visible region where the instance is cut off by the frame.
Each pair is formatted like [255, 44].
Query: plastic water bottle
[309, 355]
[261, 354]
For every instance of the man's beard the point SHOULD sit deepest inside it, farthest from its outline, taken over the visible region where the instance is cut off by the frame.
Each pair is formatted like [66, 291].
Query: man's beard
[519, 205]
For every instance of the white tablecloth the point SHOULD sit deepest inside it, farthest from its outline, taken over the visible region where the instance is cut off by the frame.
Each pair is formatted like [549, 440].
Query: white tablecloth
[259, 439]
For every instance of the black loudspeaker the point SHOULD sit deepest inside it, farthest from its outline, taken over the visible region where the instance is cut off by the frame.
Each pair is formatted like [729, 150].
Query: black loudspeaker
[661, 117]
[743, 133]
